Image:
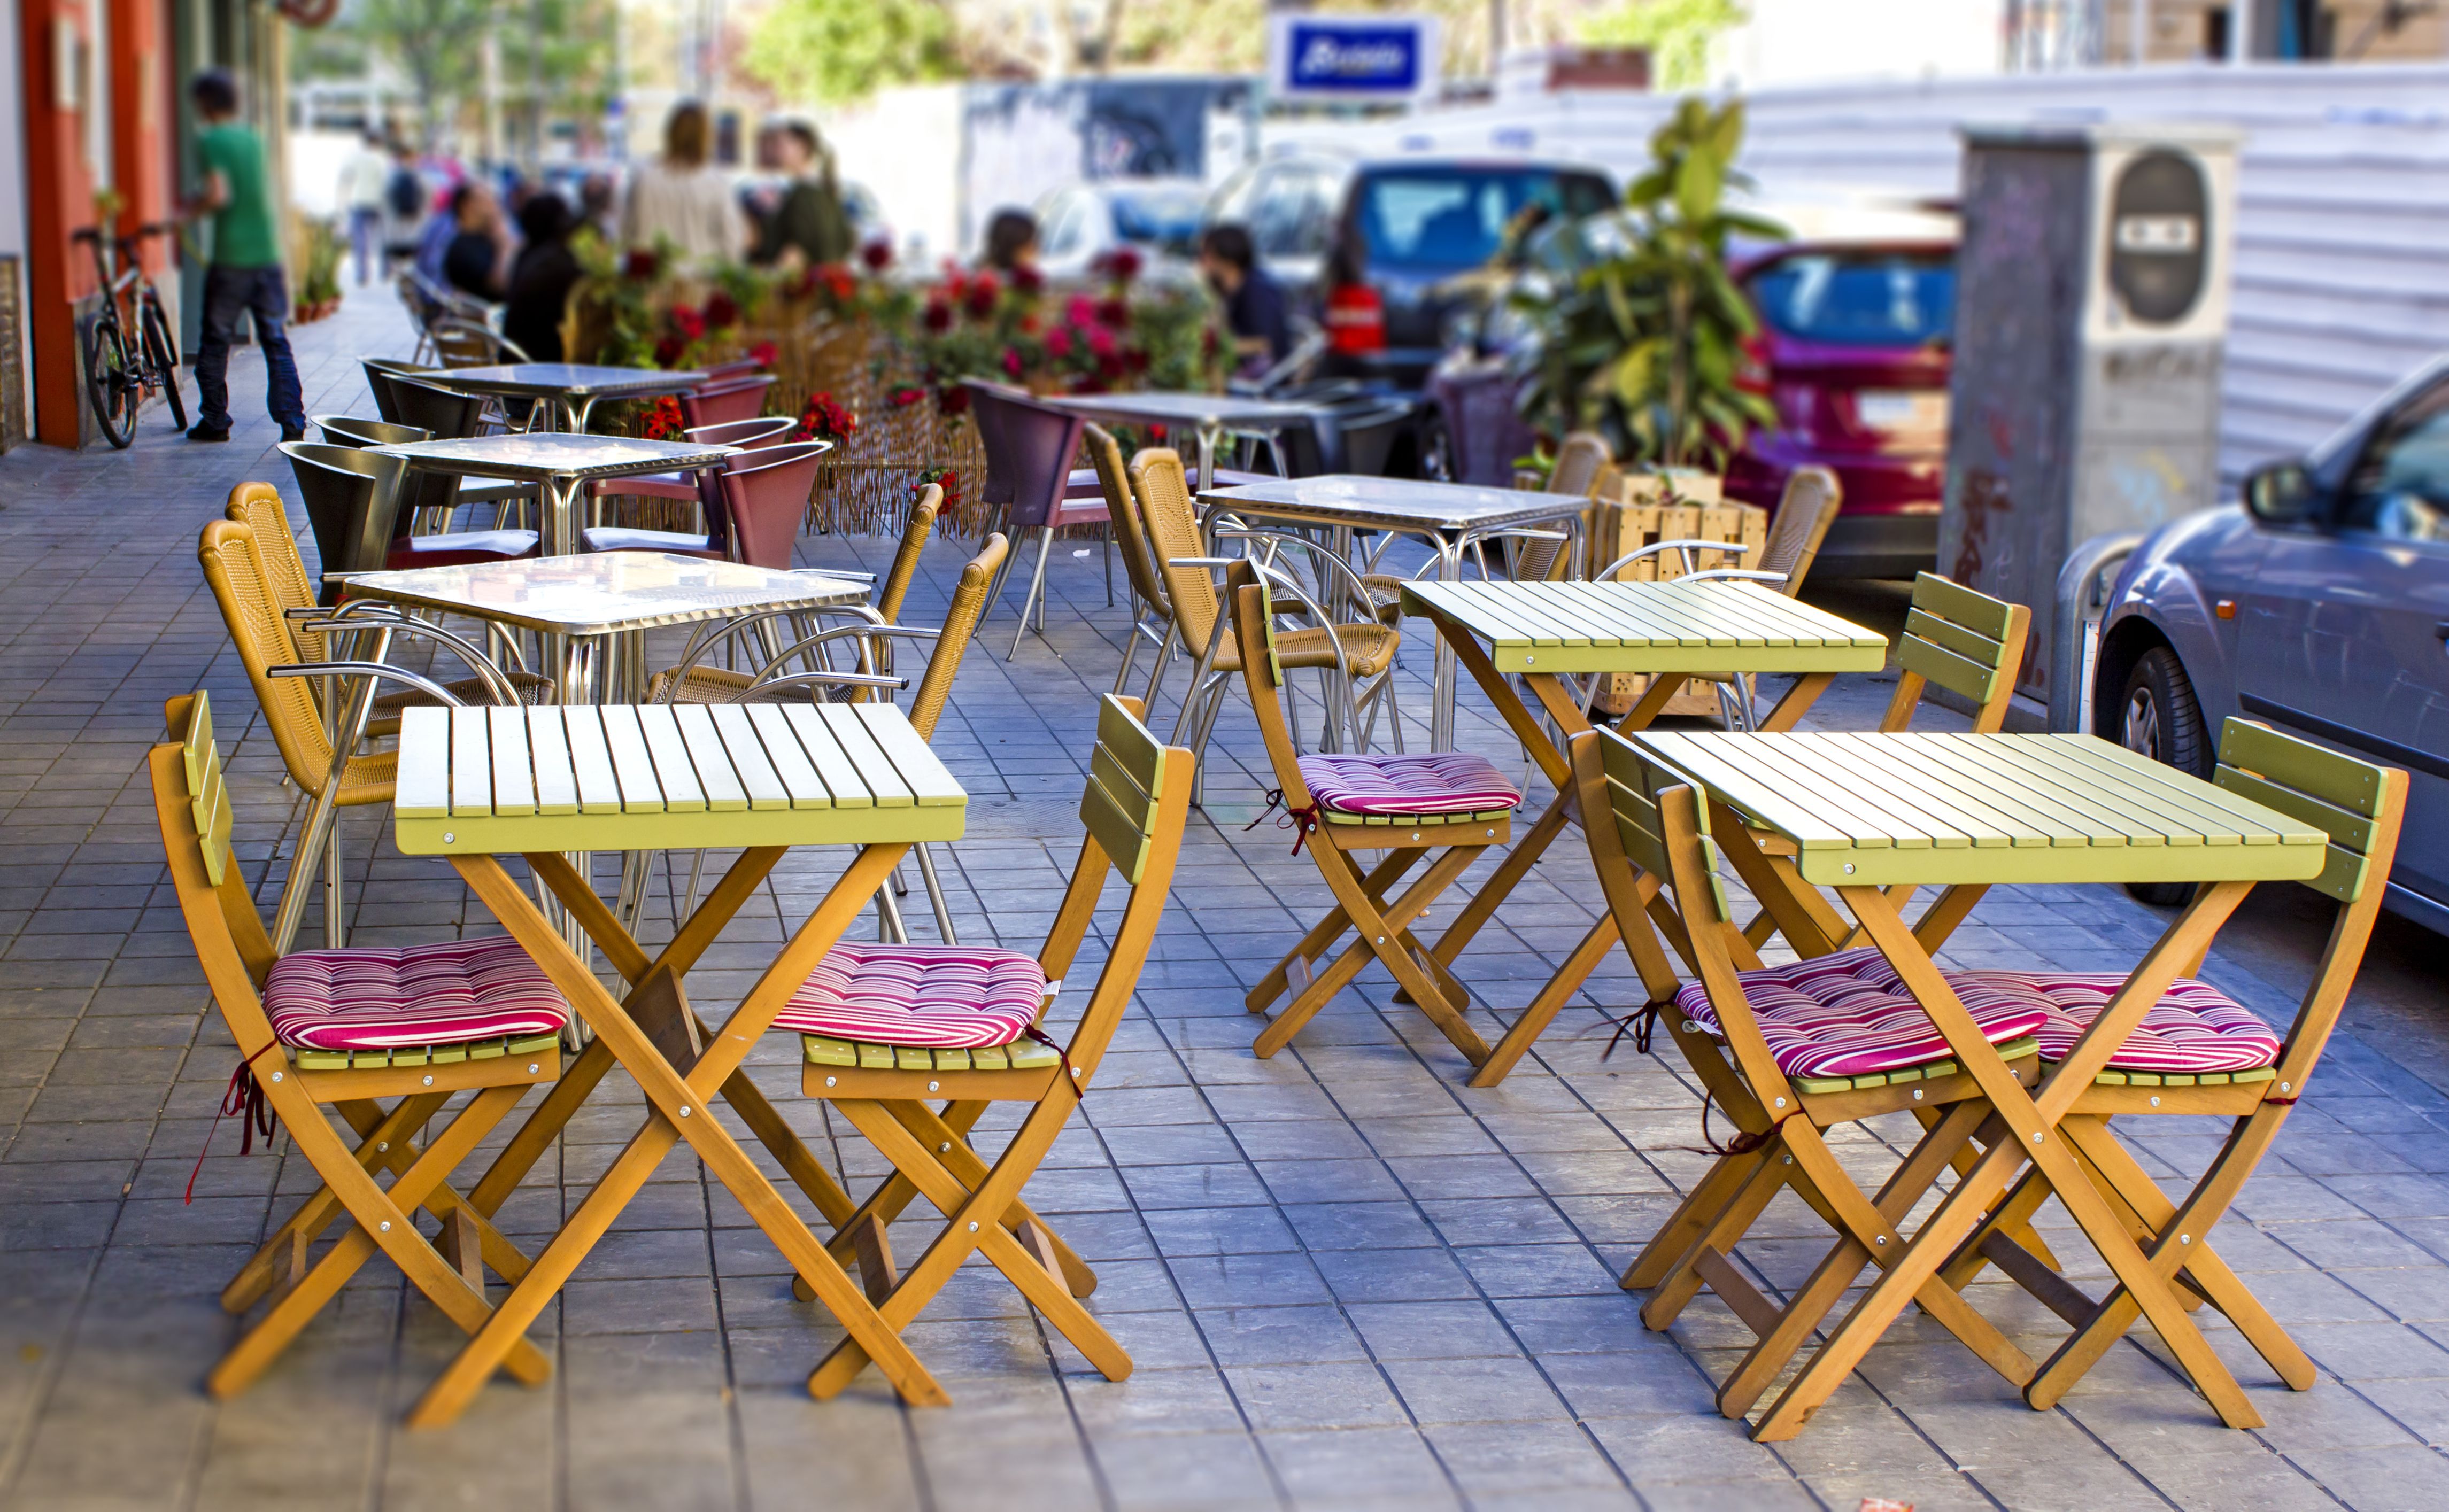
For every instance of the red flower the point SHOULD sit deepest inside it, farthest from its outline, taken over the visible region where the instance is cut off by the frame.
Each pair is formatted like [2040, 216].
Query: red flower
[904, 397]
[1029, 324]
[1109, 367]
[937, 317]
[805, 284]
[1026, 279]
[721, 311]
[640, 265]
[1135, 360]
[877, 254]
[1101, 341]
[763, 353]
[669, 350]
[1122, 264]
[823, 420]
[1012, 360]
[689, 323]
[664, 421]
[1115, 313]
[981, 301]
[952, 398]
[1058, 342]
[1080, 310]
[839, 280]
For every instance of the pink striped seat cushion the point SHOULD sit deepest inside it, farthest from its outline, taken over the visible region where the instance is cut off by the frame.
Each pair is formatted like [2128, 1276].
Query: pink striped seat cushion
[2193, 1029]
[1448, 783]
[422, 994]
[1848, 1014]
[932, 996]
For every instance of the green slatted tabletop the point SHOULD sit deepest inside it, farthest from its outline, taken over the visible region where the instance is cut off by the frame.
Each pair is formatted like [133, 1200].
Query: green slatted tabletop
[1540, 634]
[1713, 626]
[1930, 808]
[621, 777]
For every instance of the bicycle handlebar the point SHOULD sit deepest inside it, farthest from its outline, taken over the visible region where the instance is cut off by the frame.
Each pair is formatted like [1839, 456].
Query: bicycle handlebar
[151, 228]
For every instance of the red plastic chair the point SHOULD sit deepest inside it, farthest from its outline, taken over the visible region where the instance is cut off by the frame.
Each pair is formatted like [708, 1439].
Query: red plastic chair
[1029, 448]
[725, 399]
[766, 492]
[685, 486]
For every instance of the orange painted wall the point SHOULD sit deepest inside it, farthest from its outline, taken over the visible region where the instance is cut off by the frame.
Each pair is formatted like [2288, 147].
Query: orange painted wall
[59, 198]
[141, 117]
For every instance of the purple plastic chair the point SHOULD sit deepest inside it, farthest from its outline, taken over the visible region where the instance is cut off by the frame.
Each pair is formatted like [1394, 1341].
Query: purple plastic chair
[765, 492]
[1029, 447]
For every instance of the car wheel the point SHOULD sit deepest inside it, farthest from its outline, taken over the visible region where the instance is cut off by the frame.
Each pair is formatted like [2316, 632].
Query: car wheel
[2161, 719]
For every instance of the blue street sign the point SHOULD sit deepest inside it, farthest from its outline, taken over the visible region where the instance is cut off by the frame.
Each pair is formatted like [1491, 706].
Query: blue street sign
[1362, 57]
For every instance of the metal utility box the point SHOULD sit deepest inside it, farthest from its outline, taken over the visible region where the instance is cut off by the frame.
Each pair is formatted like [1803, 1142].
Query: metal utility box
[2091, 313]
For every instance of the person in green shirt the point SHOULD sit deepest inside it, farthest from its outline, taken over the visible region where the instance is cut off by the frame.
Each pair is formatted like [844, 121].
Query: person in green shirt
[244, 277]
[808, 227]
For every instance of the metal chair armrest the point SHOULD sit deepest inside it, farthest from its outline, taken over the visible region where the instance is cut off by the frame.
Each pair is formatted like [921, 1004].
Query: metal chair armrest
[815, 679]
[380, 671]
[1744, 574]
[481, 664]
[1687, 547]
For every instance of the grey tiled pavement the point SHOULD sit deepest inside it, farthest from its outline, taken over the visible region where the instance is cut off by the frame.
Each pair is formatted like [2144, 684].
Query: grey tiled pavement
[1347, 1280]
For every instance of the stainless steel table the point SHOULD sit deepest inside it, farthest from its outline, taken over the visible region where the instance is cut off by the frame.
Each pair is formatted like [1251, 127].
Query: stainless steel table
[1209, 414]
[571, 387]
[1446, 515]
[561, 463]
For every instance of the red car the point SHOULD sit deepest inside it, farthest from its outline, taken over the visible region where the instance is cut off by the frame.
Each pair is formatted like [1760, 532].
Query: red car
[1854, 350]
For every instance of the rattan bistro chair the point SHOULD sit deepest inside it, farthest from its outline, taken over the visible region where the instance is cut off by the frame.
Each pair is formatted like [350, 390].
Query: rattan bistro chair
[345, 1029]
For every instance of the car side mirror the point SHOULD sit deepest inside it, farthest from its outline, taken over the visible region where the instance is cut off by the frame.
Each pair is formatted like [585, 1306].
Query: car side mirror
[2282, 493]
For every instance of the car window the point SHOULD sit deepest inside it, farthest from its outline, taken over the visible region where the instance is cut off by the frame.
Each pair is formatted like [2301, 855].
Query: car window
[1291, 215]
[1065, 226]
[1156, 215]
[1454, 217]
[1859, 298]
[2400, 485]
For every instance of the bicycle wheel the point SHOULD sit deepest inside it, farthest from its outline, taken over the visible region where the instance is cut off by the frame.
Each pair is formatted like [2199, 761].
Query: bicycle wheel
[162, 353]
[110, 383]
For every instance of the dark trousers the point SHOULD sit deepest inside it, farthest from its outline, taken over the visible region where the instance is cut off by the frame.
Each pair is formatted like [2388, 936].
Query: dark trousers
[264, 294]
[365, 233]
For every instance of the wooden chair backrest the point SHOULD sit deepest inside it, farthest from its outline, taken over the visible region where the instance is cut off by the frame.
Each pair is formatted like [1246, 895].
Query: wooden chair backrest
[1263, 673]
[968, 601]
[1135, 804]
[192, 805]
[1659, 813]
[905, 558]
[2360, 805]
[1967, 643]
[1131, 531]
[1804, 511]
[234, 568]
[258, 507]
[1167, 509]
[1579, 462]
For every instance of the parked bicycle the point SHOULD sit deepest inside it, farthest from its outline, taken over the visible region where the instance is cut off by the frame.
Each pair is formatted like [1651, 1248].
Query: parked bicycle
[128, 352]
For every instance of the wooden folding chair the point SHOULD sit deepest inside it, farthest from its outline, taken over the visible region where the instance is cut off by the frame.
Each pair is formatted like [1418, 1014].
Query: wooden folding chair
[2200, 1054]
[1955, 638]
[888, 1029]
[1151, 609]
[1787, 1053]
[1343, 804]
[434, 1021]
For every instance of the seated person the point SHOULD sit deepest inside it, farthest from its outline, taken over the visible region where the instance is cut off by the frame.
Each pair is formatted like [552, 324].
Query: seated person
[1254, 306]
[541, 277]
[477, 259]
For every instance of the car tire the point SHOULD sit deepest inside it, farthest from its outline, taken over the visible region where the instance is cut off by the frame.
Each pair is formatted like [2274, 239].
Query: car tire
[2160, 718]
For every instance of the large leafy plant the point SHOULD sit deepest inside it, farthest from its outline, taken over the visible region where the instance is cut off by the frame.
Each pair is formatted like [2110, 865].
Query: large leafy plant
[1641, 331]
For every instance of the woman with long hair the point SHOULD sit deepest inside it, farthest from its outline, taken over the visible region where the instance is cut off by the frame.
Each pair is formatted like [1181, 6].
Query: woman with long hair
[683, 200]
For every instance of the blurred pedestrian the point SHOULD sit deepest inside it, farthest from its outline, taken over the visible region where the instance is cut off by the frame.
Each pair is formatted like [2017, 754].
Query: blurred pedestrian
[363, 178]
[477, 261]
[682, 200]
[1254, 304]
[596, 205]
[404, 198]
[244, 277]
[808, 225]
[541, 278]
[1012, 240]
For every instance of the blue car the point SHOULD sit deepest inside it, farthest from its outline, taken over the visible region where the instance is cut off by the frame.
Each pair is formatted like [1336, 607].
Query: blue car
[2319, 604]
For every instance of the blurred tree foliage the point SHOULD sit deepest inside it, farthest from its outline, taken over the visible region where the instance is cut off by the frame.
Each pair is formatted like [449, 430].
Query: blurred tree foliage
[434, 46]
[838, 50]
[1642, 337]
[1677, 33]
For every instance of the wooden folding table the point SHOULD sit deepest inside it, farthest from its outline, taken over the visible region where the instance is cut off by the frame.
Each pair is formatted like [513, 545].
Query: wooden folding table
[1864, 811]
[475, 783]
[1544, 632]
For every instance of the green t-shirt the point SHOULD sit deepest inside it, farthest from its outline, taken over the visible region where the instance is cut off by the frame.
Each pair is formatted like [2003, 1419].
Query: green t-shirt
[243, 228]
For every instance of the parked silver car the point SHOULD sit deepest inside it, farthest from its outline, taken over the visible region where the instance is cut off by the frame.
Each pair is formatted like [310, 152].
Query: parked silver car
[2318, 604]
